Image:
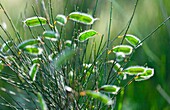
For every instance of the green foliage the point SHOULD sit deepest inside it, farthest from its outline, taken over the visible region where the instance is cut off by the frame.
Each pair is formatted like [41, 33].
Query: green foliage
[69, 71]
[35, 21]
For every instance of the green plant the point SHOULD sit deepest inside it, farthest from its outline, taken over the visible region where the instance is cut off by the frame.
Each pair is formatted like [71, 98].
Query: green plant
[69, 74]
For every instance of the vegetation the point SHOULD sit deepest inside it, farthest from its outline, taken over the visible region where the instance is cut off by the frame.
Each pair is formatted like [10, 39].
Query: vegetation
[68, 63]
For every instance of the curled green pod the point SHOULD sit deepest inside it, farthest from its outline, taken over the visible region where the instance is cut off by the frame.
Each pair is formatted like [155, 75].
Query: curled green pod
[133, 40]
[134, 70]
[35, 21]
[117, 67]
[148, 73]
[33, 50]
[110, 89]
[71, 76]
[68, 89]
[68, 43]
[126, 49]
[86, 35]
[82, 18]
[1, 65]
[29, 42]
[33, 71]
[36, 60]
[99, 96]
[51, 35]
[61, 19]
[6, 47]
[120, 56]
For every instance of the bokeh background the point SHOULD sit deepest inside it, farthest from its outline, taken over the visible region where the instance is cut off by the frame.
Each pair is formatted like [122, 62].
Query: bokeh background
[153, 94]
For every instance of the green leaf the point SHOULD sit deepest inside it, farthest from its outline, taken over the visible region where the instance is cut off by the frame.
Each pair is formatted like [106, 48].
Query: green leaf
[68, 89]
[33, 50]
[33, 71]
[61, 19]
[1, 65]
[71, 76]
[134, 70]
[68, 43]
[126, 49]
[6, 47]
[133, 40]
[97, 95]
[35, 21]
[42, 102]
[29, 42]
[149, 72]
[86, 35]
[82, 18]
[110, 89]
[120, 56]
[116, 67]
[36, 60]
[51, 35]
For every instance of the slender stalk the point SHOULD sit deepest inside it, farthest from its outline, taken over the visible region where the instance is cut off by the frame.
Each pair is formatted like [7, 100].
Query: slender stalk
[130, 21]
[12, 24]
[158, 27]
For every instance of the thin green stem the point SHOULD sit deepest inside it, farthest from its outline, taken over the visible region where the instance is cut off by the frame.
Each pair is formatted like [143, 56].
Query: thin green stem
[130, 21]
[158, 27]
[12, 24]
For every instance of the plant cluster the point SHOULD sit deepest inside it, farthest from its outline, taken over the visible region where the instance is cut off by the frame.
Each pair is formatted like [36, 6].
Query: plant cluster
[54, 73]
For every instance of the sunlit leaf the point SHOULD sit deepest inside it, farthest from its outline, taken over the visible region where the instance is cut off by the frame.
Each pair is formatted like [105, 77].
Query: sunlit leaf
[110, 89]
[33, 71]
[116, 67]
[126, 49]
[51, 35]
[6, 46]
[86, 35]
[68, 89]
[29, 42]
[133, 40]
[121, 76]
[35, 21]
[134, 70]
[61, 19]
[148, 73]
[97, 95]
[82, 18]
[120, 56]
[71, 76]
[36, 60]
[42, 102]
[33, 50]
[68, 43]
[1, 65]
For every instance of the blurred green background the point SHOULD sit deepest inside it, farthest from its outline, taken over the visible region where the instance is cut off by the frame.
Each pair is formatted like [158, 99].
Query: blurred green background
[155, 52]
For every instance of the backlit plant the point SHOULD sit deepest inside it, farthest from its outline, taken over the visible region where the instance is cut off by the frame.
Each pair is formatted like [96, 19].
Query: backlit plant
[54, 73]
